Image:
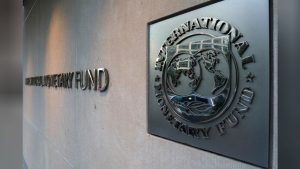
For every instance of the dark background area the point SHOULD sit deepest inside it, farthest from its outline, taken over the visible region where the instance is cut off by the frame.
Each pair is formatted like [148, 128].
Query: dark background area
[11, 12]
[11, 20]
[289, 84]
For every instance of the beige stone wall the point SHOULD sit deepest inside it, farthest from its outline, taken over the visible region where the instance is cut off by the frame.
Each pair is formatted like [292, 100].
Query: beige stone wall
[75, 129]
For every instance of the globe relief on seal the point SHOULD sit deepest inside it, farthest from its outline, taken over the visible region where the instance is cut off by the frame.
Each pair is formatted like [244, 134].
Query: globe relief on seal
[198, 74]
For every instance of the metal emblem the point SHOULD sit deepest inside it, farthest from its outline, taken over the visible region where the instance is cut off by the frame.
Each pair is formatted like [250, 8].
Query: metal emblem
[208, 84]
[197, 76]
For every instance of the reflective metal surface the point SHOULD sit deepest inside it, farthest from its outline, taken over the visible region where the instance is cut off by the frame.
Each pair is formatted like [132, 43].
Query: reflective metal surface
[209, 79]
[97, 79]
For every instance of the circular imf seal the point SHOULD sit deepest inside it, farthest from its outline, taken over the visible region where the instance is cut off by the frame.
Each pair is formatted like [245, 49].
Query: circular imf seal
[198, 74]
